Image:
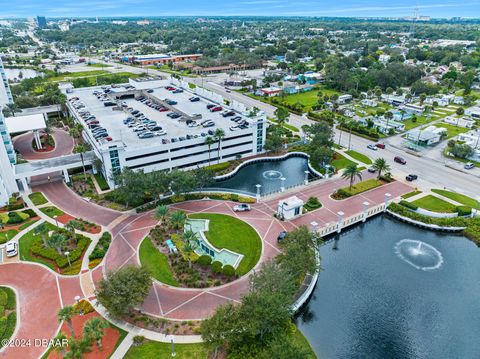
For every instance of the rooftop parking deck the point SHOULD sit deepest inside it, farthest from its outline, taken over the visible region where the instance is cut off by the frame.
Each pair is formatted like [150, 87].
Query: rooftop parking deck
[111, 118]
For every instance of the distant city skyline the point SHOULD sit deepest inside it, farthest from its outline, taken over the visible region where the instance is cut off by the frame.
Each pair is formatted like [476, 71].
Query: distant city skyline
[347, 8]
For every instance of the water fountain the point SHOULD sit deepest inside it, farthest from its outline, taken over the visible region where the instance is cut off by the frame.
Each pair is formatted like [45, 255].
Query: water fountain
[272, 175]
[418, 254]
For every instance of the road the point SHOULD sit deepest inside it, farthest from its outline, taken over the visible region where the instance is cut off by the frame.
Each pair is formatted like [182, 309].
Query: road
[432, 172]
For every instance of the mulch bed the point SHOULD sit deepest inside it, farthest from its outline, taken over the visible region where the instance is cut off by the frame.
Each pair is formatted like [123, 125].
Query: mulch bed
[109, 340]
[65, 218]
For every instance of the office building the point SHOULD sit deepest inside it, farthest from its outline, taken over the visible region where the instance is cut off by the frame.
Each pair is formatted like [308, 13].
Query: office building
[41, 22]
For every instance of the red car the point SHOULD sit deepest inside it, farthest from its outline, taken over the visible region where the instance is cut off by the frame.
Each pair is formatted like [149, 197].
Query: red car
[108, 138]
[216, 109]
[163, 109]
[400, 160]
[380, 145]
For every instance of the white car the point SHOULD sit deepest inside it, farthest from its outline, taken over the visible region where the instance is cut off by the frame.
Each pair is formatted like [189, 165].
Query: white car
[372, 147]
[11, 249]
[469, 166]
[243, 207]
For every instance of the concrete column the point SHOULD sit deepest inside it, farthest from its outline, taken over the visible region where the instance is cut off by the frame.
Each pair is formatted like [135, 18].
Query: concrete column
[26, 187]
[282, 186]
[66, 177]
[340, 221]
[36, 136]
[365, 210]
[387, 199]
[306, 177]
[258, 186]
[314, 226]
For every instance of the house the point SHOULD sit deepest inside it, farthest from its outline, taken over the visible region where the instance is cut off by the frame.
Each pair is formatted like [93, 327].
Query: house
[384, 58]
[342, 99]
[310, 77]
[471, 138]
[369, 102]
[393, 99]
[270, 91]
[473, 112]
[413, 109]
[427, 136]
[459, 122]
[459, 100]
[383, 125]
[290, 207]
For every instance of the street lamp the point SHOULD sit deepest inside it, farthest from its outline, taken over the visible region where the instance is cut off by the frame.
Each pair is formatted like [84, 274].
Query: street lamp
[67, 253]
[173, 345]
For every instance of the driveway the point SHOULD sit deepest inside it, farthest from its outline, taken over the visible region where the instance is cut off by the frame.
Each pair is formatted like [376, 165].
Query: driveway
[63, 146]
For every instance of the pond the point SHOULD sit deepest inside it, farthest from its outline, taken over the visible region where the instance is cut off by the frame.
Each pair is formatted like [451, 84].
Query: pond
[390, 290]
[268, 173]
[14, 73]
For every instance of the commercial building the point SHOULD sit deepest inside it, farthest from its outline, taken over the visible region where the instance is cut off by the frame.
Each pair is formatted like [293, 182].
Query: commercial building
[178, 141]
[41, 22]
[161, 59]
[427, 136]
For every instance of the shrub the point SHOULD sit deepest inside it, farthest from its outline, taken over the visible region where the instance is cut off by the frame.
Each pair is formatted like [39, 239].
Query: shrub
[204, 260]
[234, 197]
[102, 246]
[3, 298]
[30, 212]
[312, 203]
[463, 210]
[409, 205]
[14, 218]
[217, 267]
[138, 340]
[228, 270]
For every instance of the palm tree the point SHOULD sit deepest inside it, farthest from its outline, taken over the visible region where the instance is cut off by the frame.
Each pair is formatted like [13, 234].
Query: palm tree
[66, 314]
[190, 242]
[209, 142]
[388, 116]
[94, 329]
[60, 348]
[351, 172]
[177, 219]
[161, 214]
[48, 131]
[42, 230]
[219, 135]
[77, 348]
[70, 228]
[57, 241]
[381, 165]
[81, 148]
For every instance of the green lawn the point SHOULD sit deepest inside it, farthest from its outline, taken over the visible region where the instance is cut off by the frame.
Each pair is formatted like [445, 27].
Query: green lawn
[156, 262]
[70, 75]
[51, 211]
[7, 235]
[233, 234]
[359, 157]
[7, 321]
[25, 243]
[452, 130]
[98, 65]
[308, 98]
[460, 198]
[434, 204]
[421, 120]
[340, 162]
[158, 350]
[102, 183]
[37, 198]
[411, 194]
[360, 187]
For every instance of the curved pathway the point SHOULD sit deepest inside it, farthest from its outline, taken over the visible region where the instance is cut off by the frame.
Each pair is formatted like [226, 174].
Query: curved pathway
[63, 145]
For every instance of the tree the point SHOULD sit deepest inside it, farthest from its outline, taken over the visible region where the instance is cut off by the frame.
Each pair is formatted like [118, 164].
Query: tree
[177, 219]
[460, 111]
[57, 241]
[190, 243]
[284, 347]
[351, 172]
[94, 329]
[274, 140]
[423, 97]
[78, 347]
[209, 142]
[388, 116]
[66, 314]
[42, 230]
[60, 348]
[282, 115]
[123, 290]
[81, 149]
[161, 214]
[219, 135]
[381, 165]
[70, 228]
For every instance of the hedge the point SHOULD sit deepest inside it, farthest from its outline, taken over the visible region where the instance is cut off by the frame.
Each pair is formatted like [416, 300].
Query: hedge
[38, 249]
[409, 205]
[312, 204]
[228, 270]
[217, 267]
[204, 260]
[101, 247]
[463, 210]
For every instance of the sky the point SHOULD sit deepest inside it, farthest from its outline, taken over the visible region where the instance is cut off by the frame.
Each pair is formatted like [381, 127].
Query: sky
[342, 8]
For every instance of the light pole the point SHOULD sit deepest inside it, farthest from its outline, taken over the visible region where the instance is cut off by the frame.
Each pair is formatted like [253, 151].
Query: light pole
[173, 345]
[305, 180]
[67, 253]
[258, 186]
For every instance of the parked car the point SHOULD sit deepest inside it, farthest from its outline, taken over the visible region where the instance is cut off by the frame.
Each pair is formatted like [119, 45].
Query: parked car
[11, 249]
[146, 135]
[469, 166]
[149, 91]
[194, 99]
[171, 102]
[242, 207]
[177, 91]
[372, 147]
[400, 160]
[411, 177]
[109, 103]
[236, 118]
[208, 124]
[216, 109]
[371, 170]
[281, 236]
[380, 145]
[163, 109]
[100, 135]
[210, 105]
[228, 113]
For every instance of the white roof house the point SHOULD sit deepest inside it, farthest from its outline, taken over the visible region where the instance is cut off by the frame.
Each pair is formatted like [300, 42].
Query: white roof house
[427, 136]
[290, 207]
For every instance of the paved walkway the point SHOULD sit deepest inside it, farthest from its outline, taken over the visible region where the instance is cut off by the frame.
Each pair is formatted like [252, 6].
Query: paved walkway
[63, 146]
